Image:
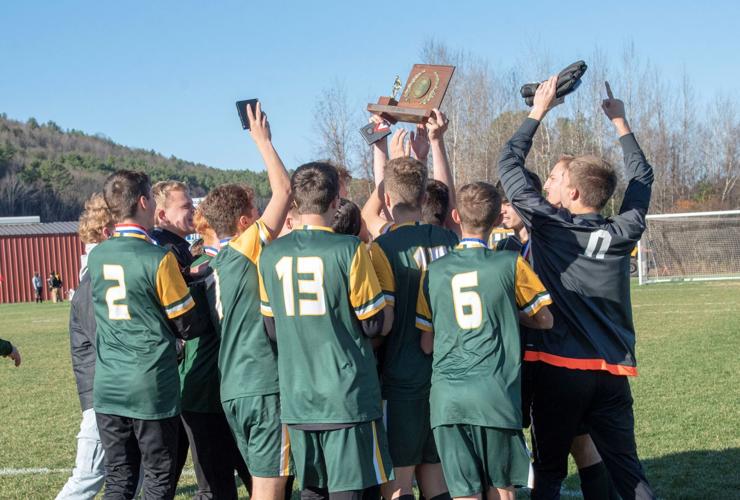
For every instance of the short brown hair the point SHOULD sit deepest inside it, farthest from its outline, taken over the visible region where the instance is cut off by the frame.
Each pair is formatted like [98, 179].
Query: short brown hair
[122, 191]
[406, 181]
[94, 219]
[315, 186]
[162, 189]
[348, 218]
[223, 206]
[593, 177]
[437, 203]
[479, 205]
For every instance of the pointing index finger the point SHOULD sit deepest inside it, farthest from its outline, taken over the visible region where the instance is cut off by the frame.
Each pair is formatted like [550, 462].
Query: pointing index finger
[609, 90]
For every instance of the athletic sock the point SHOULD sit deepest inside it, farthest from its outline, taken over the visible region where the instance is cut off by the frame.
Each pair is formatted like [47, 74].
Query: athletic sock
[346, 495]
[595, 483]
[314, 493]
[371, 493]
[406, 497]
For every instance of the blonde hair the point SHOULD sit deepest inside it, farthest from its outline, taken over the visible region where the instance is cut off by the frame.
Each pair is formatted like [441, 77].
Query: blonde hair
[162, 189]
[94, 219]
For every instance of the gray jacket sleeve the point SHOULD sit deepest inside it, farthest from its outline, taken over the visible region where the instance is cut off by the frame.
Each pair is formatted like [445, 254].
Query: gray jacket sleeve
[529, 203]
[630, 222]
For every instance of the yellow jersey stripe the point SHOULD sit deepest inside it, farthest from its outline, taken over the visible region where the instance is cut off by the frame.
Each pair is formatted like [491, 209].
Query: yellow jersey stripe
[540, 300]
[423, 324]
[370, 309]
[380, 474]
[180, 308]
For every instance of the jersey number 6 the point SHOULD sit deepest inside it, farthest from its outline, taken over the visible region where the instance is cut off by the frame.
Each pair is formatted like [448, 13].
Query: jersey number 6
[468, 307]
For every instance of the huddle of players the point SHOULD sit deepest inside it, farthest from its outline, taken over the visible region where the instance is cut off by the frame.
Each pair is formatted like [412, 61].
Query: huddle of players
[293, 326]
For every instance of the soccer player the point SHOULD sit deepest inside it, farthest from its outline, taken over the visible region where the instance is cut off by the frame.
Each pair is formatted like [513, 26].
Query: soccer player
[141, 304]
[595, 483]
[174, 220]
[477, 299]
[247, 359]
[399, 255]
[583, 260]
[214, 450]
[96, 225]
[322, 303]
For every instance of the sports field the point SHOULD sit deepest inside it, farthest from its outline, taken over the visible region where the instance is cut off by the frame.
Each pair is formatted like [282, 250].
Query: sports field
[687, 397]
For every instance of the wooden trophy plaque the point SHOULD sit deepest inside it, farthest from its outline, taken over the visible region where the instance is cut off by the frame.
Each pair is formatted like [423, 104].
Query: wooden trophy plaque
[425, 89]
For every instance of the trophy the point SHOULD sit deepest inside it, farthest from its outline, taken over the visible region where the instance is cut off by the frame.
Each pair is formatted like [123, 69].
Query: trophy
[425, 89]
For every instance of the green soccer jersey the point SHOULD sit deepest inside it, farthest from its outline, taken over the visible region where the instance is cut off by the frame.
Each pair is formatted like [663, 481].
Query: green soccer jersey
[399, 255]
[247, 360]
[136, 287]
[318, 286]
[199, 368]
[475, 295]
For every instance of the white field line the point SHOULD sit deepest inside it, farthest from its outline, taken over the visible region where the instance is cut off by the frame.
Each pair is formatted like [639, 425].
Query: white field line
[34, 471]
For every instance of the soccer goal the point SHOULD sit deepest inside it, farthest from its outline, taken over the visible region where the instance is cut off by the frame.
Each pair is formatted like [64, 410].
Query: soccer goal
[690, 247]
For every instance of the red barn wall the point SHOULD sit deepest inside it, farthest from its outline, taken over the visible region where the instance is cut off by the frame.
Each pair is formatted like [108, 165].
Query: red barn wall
[21, 256]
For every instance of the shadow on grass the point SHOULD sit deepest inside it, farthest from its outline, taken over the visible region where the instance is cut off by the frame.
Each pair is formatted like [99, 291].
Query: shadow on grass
[696, 474]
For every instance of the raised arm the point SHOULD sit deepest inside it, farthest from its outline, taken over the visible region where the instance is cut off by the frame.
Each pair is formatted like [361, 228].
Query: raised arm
[518, 186]
[436, 127]
[279, 204]
[639, 174]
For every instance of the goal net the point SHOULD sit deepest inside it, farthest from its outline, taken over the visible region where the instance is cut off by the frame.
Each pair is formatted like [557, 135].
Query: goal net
[690, 247]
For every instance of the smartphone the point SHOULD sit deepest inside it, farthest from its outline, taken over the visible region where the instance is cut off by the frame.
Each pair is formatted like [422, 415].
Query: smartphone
[241, 108]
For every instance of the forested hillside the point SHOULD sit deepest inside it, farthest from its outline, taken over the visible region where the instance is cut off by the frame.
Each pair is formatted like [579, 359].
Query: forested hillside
[50, 172]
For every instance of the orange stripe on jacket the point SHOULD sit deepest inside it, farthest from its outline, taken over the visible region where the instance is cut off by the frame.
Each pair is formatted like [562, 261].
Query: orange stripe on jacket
[580, 364]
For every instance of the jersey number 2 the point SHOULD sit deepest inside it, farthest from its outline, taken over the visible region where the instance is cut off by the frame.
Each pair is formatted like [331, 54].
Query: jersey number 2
[312, 266]
[468, 307]
[116, 311]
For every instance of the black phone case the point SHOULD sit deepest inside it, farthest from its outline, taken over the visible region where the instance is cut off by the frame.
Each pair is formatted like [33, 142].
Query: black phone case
[372, 136]
[241, 108]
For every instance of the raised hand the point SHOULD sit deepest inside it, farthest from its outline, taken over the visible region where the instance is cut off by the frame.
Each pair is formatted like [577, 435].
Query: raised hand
[420, 143]
[614, 110]
[544, 98]
[259, 127]
[437, 125]
[399, 146]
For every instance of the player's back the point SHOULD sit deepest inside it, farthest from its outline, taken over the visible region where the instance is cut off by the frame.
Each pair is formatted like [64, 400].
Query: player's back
[314, 287]
[477, 353]
[399, 256]
[136, 367]
[583, 260]
[247, 359]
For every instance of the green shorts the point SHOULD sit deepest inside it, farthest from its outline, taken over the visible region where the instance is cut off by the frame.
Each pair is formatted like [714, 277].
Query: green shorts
[262, 440]
[348, 459]
[409, 432]
[476, 458]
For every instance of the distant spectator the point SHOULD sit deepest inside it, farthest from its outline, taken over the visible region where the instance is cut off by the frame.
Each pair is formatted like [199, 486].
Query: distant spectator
[38, 286]
[8, 350]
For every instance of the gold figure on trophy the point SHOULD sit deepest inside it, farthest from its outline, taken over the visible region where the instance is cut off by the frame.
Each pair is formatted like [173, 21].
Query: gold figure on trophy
[396, 87]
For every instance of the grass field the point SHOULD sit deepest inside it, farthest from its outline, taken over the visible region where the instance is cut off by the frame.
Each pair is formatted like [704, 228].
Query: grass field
[687, 397]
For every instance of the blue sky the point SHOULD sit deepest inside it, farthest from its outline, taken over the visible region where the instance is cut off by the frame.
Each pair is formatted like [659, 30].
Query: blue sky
[164, 75]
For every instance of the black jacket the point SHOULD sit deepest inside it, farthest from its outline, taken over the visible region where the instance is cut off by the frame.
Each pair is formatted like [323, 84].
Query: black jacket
[178, 246]
[82, 341]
